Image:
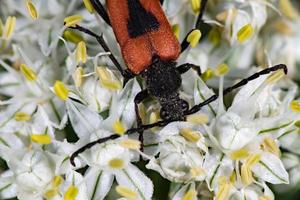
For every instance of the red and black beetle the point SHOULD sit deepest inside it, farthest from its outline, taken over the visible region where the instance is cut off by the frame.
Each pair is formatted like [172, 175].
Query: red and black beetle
[150, 50]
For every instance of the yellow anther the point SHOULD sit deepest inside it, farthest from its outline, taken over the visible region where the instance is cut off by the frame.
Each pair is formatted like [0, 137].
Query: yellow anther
[28, 73]
[71, 193]
[176, 30]
[221, 70]
[72, 36]
[245, 33]
[223, 16]
[283, 27]
[88, 5]
[31, 9]
[107, 80]
[9, 27]
[196, 4]
[190, 135]
[71, 21]
[78, 76]
[246, 174]
[214, 36]
[198, 119]
[116, 163]
[57, 180]
[295, 106]
[265, 197]
[253, 159]
[270, 145]
[232, 177]
[197, 171]
[41, 139]
[288, 9]
[154, 117]
[118, 127]
[273, 78]
[194, 37]
[190, 195]
[126, 192]
[22, 117]
[239, 154]
[81, 55]
[224, 189]
[208, 74]
[50, 194]
[131, 144]
[61, 90]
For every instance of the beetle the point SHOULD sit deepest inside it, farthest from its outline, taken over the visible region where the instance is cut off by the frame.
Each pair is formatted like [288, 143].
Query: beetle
[150, 50]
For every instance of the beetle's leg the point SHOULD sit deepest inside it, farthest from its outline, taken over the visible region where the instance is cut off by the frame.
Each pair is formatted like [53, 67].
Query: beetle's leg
[162, 2]
[100, 10]
[243, 82]
[185, 44]
[137, 100]
[187, 66]
[125, 73]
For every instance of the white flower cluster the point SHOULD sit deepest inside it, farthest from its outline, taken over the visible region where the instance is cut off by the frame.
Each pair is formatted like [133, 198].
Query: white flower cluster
[59, 91]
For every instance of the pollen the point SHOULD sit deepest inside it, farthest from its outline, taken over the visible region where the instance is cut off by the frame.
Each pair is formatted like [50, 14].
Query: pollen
[190, 195]
[190, 135]
[71, 193]
[214, 36]
[232, 177]
[208, 74]
[273, 78]
[32, 9]
[245, 33]
[131, 144]
[194, 37]
[9, 27]
[81, 55]
[116, 163]
[246, 174]
[106, 79]
[270, 145]
[196, 171]
[88, 5]
[28, 73]
[40, 139]
[221, 70]
[198, 119]
[224, 188]
[196, 4]
[57, 180]
[295, 106]
[126, 192]
[22, 117]
[239, 154]
[71, 21]
[72, 36]
[176, 30]
[61, 90]
[78, 76]
[51, 193]
[119, 128]
[288, 9]
[265, 197]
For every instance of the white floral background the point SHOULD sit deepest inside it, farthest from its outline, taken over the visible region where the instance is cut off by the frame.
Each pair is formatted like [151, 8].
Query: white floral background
[59, 90]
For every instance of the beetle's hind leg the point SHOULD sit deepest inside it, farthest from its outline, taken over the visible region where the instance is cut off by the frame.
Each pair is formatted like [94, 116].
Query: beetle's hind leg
[124, 72]
[185, 44]
[187, 66]
[162, 2]
[100, 9]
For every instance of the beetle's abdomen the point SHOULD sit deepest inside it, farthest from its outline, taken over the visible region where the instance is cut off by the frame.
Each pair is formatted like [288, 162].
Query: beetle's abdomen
[142, 30]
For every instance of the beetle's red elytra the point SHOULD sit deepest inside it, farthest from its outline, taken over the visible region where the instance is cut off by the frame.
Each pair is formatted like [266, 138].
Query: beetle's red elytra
[142, 38]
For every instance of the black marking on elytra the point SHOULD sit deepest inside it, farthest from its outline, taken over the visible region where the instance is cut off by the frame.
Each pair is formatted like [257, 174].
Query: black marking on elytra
[140, 20]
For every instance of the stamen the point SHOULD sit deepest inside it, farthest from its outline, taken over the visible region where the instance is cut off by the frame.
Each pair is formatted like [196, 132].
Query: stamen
[222, 16]
[50, 194]
[31, 9]
[283, 27]
[273, 78]
[214, 36]
[288, 9]
[232, 177]
[88, 5]
[239, 154]
[116, 163]
[72, 36]
[194, 37]
[71, 193]
[190, 135]
[71, 21]
[131, 144]
[208, 74]
[198, 119]
[57, 180]
[265, 197]
[270, 145]
[41, 139]
[245, 33]
[9, 27]
[81, 55]
[295, 106]
[22, 117]
[196, 171]
[61, 90]
[176, 30]
[28, 73]
[224, 188]
[221, 70]
[190, 195]
[126, 192]
[107, 80]
[246, 174]
[78, 76]
[196, 4]
[118, 127]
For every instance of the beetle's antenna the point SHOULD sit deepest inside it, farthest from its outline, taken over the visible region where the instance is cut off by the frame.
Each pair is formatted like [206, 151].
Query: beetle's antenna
[125, 73]
[100, 10]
